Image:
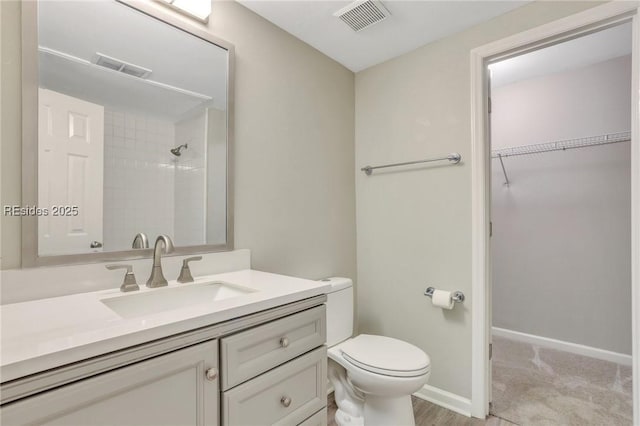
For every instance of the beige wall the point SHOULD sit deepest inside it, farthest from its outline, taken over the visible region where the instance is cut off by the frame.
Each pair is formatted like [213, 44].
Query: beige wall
[295, 192]
[294, 150]
[414, 225]
[10, 133]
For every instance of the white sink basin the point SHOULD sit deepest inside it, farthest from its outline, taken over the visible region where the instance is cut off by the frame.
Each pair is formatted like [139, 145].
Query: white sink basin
[168, 298]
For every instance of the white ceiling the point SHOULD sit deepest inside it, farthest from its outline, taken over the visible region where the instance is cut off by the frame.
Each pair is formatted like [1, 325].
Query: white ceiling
[412, 24]
[177, 59]
[580, 52]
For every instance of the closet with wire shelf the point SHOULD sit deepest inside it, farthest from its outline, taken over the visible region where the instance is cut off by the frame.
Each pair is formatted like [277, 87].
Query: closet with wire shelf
[561, 145]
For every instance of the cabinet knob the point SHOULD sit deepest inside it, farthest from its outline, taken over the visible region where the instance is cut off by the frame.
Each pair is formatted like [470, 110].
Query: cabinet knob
[284, 342]
[286, 401]
[212, 374]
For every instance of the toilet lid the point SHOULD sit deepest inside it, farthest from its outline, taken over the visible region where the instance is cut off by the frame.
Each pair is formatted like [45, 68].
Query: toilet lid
[386, 355]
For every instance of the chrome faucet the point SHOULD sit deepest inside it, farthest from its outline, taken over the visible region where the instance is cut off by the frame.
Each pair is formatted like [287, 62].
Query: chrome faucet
[140, 241]
[157, 279]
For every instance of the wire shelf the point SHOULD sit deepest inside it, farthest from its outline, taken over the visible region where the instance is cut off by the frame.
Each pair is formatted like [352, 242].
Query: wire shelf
[562, 145]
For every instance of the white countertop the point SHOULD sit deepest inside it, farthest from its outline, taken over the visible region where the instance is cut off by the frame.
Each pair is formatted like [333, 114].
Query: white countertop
[42, 334]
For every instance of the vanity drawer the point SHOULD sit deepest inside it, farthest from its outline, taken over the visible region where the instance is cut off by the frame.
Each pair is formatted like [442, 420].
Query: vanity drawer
[254, 351]
[286, 395]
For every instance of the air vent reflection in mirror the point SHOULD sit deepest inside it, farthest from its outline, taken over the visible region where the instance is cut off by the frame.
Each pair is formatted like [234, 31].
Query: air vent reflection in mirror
[114, 64]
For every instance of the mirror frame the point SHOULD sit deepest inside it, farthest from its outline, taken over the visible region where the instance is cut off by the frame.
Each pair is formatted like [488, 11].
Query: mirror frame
[30, 257]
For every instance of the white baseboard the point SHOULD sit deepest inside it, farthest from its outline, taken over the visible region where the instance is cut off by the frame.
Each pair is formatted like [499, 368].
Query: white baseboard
[560, 345]
[445, 399]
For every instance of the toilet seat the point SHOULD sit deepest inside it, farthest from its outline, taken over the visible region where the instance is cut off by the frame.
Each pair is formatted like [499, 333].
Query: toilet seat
[386, 356]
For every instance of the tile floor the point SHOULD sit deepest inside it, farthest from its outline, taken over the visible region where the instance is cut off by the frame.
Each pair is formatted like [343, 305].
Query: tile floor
[539, 386]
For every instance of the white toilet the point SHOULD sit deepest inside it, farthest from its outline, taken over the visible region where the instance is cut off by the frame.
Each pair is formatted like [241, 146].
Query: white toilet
[373, 376]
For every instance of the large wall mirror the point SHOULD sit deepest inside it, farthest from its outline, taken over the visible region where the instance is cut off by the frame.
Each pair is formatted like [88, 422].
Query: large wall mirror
[126, 128]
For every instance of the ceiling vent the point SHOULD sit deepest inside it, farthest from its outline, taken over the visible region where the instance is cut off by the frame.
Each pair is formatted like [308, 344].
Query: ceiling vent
[362, 14]
[120, 66]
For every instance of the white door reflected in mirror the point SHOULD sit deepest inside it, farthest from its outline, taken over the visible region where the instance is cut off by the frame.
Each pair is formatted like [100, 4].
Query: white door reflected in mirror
[70, 172]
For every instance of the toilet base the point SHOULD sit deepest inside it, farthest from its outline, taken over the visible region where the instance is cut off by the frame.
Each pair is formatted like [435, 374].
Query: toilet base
[384, 411]
[344, 419]
[357, 407]
[380, 412]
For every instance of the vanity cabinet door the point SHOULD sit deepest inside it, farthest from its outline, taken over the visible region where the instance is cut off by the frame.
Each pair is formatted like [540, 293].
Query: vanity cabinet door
[180, 388]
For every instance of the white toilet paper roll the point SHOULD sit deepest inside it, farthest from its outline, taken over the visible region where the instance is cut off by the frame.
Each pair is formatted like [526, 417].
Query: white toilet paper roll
[442, 299]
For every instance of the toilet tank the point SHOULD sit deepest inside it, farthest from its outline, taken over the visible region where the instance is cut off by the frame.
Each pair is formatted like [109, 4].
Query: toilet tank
[339, 310]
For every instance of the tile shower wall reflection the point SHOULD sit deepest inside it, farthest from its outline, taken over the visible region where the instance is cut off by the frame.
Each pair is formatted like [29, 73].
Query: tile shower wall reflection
[190, 181]
[139, 178]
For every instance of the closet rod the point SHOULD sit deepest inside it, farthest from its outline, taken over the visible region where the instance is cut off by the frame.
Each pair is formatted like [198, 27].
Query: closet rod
[561, 145]
[557, 146]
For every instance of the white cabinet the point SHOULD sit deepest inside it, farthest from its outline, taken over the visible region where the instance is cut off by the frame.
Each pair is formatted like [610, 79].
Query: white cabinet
[180, 388]
[273, 369]
[246, 354]
[318, 419]
[286, 395]
[276, 373]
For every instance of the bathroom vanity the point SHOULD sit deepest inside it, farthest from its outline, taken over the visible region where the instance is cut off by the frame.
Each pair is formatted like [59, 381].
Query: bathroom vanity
[254, 358]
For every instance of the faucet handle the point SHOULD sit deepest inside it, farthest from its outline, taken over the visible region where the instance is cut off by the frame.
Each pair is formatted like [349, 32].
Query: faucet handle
[140, 241]
[185, 272]
[129, 283]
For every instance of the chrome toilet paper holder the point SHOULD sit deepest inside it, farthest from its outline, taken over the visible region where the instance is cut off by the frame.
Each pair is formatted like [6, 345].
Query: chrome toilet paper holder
[457, 296]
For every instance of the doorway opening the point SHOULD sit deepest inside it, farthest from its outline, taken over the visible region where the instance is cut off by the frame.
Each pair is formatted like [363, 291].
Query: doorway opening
[561, 311]
[591, 20]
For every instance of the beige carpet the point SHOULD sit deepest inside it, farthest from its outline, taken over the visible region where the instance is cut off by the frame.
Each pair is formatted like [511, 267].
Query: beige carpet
[540, 386]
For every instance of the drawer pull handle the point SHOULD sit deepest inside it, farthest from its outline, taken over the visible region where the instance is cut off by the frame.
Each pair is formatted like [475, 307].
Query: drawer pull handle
[286, 401]
[212, 374]
[284, 342]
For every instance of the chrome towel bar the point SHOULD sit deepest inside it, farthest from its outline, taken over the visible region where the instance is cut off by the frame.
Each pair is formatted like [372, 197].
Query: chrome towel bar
[457, 296]
[454, 158]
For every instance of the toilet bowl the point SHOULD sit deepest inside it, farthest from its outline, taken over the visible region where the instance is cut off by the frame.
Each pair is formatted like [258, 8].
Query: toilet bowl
[373, 376]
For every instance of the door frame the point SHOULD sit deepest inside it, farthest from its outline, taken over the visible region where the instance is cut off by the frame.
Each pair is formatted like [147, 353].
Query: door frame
[564, 29]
